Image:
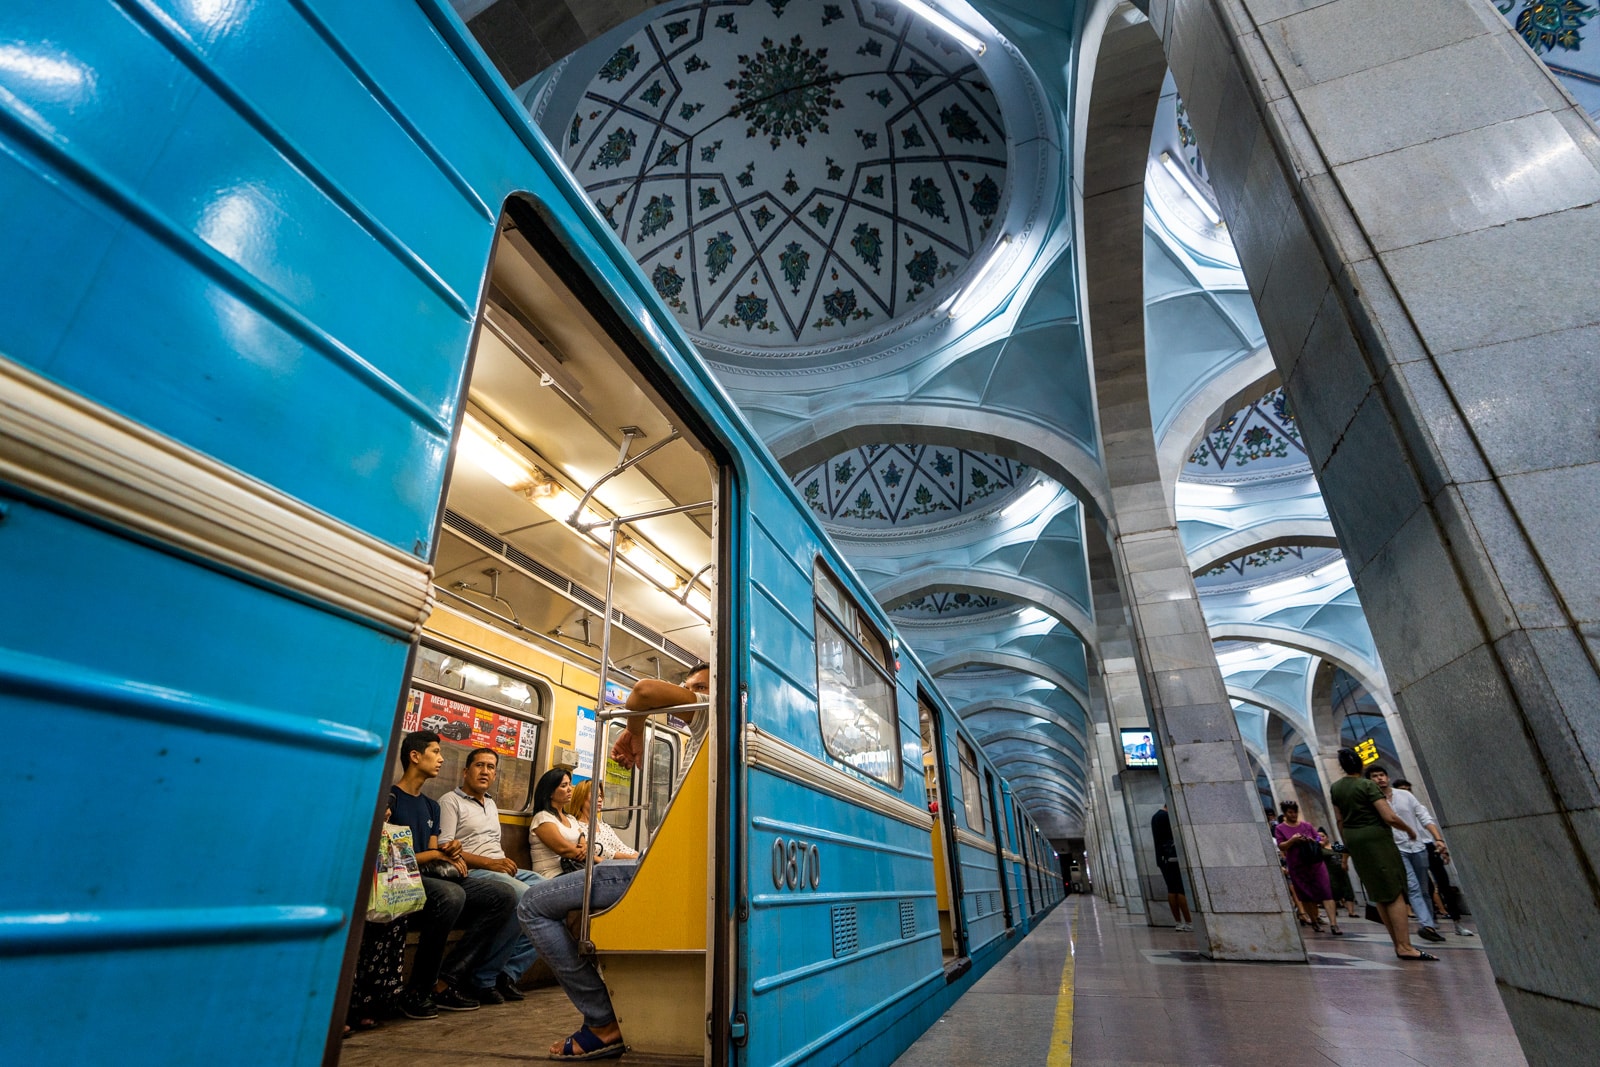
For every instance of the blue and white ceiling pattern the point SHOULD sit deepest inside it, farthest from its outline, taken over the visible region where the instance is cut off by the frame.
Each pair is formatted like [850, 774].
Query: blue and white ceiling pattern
[1262, 437]
[790, 173]
[1555, 30]
[879, 486]
[952, 605]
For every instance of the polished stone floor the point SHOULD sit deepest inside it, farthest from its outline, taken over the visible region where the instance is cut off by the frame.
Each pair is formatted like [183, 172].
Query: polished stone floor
[1143, 996]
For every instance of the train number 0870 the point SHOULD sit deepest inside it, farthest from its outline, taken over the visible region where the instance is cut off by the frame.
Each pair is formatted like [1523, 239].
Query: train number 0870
[795, 864]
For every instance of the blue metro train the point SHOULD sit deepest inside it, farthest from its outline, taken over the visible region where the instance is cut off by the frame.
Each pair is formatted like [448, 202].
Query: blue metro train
[329, 408]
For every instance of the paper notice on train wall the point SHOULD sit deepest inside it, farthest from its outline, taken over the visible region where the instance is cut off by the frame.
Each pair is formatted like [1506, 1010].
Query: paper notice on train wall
[585, 744]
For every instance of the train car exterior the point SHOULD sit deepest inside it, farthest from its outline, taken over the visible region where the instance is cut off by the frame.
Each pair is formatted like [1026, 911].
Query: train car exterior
[234, 360]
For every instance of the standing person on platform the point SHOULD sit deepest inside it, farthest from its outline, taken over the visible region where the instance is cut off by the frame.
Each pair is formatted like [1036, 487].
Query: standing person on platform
[468, 814]
[1302, 851]
[544, 908]
[1364, 818]
[1412, 849]
[1338, 864]
[481, 906]
[1446, 895]
[1171, 872]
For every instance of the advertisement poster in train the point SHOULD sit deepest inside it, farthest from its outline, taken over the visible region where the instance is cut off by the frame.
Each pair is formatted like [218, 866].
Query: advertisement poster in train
[584, 738]
[471, 726]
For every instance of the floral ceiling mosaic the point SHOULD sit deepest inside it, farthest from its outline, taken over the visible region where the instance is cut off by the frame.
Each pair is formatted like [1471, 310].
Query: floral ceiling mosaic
[1262, 437]
[950, 606]
[1555, 30]
[792, 172]
[906, 485]
[1265, 565]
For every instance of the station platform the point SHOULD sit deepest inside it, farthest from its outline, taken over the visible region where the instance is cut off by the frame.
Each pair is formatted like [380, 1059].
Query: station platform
[1136, 995]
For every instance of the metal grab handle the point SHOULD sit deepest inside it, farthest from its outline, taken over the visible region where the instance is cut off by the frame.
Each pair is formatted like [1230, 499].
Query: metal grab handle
[617, 711]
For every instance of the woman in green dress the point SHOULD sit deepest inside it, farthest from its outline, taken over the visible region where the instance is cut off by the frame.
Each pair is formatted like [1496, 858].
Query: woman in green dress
[1364, 821]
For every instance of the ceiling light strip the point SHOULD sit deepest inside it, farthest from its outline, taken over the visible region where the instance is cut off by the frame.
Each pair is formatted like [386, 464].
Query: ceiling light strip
[969, 40]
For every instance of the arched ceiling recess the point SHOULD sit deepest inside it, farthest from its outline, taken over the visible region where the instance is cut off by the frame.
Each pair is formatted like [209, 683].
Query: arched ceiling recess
[903, 488]
[806, 183]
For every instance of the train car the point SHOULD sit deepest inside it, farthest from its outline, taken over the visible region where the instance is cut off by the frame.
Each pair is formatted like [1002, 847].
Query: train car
[331, 409]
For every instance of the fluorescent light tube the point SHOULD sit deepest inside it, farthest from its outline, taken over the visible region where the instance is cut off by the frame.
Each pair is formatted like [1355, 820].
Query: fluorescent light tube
[1187, 184]
[945, 23]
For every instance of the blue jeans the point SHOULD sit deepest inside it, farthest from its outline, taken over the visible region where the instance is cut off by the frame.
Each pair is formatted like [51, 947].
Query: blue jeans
[479, 907]
[510, 952]
[1417, 885]
[543, 914]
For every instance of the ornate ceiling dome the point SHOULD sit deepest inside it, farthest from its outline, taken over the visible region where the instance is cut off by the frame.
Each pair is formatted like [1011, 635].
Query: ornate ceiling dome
[1259, 440]
[956, 605]
[791, 174]
[900, 486]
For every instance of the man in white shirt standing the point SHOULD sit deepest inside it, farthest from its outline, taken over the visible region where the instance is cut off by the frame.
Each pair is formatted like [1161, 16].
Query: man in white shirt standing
[1414, 850]
[468, 814]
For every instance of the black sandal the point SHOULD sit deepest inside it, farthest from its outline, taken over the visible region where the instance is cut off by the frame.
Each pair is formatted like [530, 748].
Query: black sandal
[1419, 958]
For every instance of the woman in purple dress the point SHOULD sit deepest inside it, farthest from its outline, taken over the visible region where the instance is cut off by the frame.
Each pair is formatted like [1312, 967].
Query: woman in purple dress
[1301, 846]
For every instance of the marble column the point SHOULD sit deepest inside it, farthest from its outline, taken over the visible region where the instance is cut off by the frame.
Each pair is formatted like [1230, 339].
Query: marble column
[1241, 907]
[1403, 199]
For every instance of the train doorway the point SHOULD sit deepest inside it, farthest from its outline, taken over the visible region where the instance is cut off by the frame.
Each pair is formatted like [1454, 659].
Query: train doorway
[998, 827]
[946, 862]
[577, 559]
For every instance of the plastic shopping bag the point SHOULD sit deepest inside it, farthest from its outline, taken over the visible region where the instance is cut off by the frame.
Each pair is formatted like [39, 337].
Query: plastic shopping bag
[396, 881]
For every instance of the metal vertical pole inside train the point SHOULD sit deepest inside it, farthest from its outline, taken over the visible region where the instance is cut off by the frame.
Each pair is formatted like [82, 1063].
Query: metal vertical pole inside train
[600, 720]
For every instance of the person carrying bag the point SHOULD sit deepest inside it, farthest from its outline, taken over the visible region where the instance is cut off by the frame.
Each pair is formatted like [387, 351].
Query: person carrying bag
[396, 880]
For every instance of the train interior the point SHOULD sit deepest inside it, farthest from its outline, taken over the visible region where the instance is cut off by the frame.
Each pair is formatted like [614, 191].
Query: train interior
[575, 488]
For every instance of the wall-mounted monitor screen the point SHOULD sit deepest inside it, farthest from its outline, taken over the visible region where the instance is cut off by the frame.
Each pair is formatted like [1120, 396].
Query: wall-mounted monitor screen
[1138, 747]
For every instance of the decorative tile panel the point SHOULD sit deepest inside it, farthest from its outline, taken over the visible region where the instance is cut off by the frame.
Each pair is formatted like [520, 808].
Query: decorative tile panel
[1262, 436]
[906, 485]
[792, 174]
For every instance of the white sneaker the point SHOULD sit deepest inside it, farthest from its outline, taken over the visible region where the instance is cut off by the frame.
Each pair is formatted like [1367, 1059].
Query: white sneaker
[1183, 927]
[1462, 931]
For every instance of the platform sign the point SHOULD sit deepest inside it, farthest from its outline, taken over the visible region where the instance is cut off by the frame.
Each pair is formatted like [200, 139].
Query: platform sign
[1367, 749]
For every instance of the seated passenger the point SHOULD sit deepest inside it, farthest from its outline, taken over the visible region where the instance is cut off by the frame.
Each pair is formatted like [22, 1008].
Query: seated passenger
[480, 905]
[607, 845]
[554, 835]
[544, 906]
[468, 813]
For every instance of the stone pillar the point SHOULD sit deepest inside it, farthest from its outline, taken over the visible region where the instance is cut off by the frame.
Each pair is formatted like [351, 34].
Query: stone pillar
[1240, 905]
[1143, 794]
[1129, 893]
[1401, 201]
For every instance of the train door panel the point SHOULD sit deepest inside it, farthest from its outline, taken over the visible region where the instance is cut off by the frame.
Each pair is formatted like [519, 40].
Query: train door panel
[946, 867]
[998, 828]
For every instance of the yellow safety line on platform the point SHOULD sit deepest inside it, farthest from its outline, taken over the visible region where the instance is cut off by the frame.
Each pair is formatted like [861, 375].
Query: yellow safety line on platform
[1061, 1035]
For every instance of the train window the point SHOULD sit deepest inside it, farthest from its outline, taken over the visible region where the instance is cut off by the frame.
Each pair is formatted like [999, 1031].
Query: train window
[501, 714]
[661, 778]
[855, 696]
[971, 789]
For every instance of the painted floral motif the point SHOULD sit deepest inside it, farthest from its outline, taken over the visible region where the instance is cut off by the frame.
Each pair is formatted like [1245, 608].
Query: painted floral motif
[572, 133]
[747, 177]
[1265, 430]
[884, 12]
[960, 125]
[791, 186]
[794, 261]
[1265, 557]
[668, 155]
[893, 484]
[708, 197]
[653, 95]
[668, 283]
[868, 140]
[985, 199]
[657, 216]
[725, 22]
[952, 605]
[835, 172]
[676, 29]
[1551, 24]
[761, 216]
[621, 63]
[868, 245]
[617, 150]
[882, 96]
[778, 6]
[719, 254]
[926, 198]
[694, 63]
[917, 73]
[822, 213]
[873, 47]
[785, 91]
[873, 186]
[688, 111]
[831, 13]
[924, 270]
[839, 307]
[911, 137]
[708, 153]
[749, 311]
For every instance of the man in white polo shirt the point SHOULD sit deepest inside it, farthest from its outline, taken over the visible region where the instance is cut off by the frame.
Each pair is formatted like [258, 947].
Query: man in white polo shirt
[1413, 849]
[468, 814]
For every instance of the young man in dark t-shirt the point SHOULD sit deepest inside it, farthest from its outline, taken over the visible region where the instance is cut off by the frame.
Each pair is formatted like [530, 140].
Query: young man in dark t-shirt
[480, 907]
